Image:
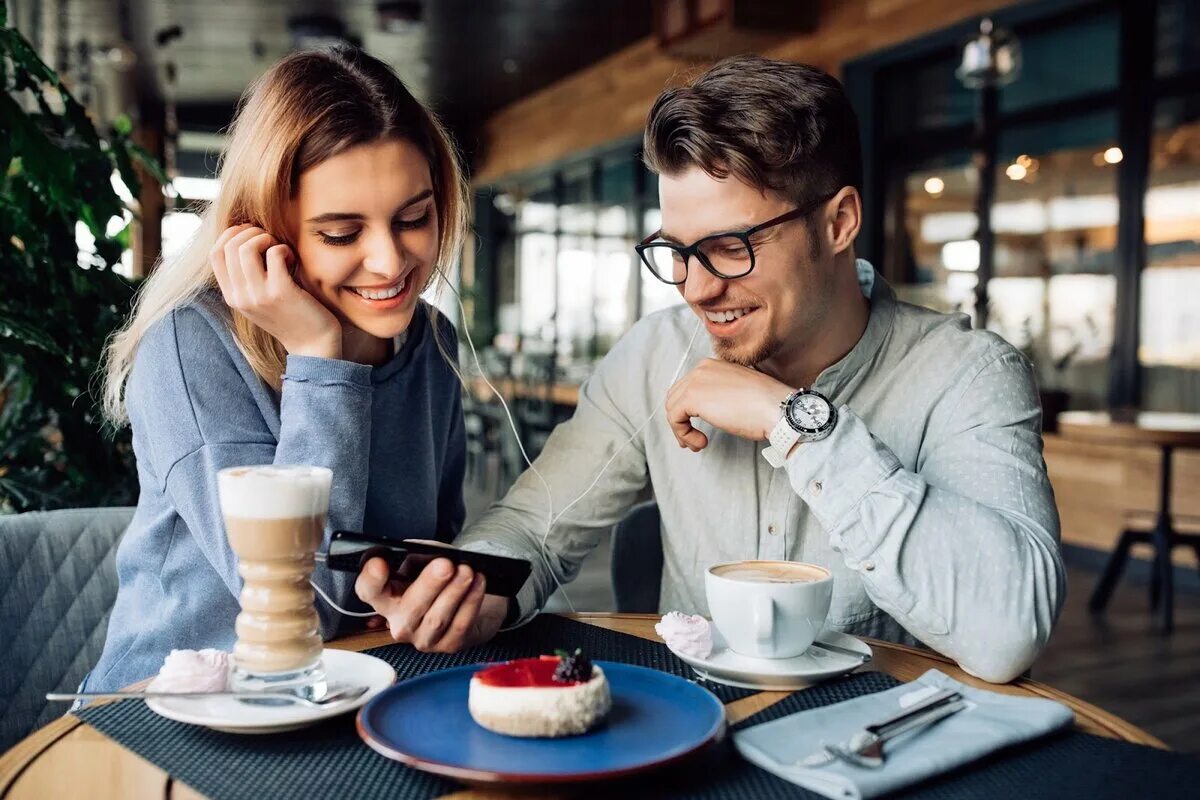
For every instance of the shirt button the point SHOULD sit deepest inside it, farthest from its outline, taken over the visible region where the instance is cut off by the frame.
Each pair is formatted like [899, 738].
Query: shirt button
[771, 529]
[868, 565]
[814, 488]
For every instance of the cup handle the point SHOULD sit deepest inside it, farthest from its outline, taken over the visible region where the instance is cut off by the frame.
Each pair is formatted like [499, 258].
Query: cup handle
[764, 619]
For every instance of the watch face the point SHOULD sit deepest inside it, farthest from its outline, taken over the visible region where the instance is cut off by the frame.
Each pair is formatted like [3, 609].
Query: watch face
[809, 412]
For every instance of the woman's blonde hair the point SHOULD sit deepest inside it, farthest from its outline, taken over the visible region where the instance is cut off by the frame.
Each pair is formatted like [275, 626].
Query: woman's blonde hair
[310, 106]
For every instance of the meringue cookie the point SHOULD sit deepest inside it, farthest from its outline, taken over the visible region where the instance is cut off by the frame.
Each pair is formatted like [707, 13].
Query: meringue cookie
[690, 635]
[193, 671]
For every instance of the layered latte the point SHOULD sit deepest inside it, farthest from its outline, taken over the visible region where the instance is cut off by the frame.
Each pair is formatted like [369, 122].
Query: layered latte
[275, 521]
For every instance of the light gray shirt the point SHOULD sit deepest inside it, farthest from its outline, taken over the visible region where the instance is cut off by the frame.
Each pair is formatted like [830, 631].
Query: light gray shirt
[929, 501]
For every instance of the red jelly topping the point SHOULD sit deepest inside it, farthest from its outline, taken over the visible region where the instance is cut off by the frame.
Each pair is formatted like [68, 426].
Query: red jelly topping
[527, 672]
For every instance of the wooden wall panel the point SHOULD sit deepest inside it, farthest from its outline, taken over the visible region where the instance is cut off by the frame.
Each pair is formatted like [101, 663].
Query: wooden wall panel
[610, 99]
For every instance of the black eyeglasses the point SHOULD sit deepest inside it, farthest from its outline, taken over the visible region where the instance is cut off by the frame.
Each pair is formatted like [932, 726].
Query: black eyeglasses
[726, 255]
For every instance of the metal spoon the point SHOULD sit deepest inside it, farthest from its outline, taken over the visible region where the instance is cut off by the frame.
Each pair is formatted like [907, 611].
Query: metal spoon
[865, 749]
[335, 695]
[897, 722]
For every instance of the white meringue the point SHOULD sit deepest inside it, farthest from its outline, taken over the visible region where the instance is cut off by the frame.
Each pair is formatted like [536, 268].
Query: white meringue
[690, 635]
[193, 671]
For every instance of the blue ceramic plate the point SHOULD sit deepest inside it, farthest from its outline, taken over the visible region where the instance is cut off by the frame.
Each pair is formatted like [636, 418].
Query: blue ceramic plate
[656, 719]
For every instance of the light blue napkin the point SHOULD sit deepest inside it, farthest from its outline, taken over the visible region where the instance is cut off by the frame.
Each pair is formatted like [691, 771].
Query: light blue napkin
[990, 722]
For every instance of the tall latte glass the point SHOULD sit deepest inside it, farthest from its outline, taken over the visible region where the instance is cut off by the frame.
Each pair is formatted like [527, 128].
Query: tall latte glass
[275, 520]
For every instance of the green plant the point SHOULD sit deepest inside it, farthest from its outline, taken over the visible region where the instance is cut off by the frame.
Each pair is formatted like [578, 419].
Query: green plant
[57, 305]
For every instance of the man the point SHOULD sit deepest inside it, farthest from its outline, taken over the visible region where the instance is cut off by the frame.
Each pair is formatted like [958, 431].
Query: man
[912, 464]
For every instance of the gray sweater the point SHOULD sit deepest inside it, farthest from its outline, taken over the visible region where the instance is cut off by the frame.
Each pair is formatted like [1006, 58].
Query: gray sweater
[393, 436]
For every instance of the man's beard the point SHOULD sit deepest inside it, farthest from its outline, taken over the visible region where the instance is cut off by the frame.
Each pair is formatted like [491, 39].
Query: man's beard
[728, 349]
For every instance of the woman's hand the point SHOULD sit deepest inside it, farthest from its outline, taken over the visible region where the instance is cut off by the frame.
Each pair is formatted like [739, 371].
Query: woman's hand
[253, 270]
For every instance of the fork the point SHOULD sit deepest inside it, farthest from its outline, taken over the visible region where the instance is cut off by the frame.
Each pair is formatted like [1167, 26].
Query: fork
[865, 748]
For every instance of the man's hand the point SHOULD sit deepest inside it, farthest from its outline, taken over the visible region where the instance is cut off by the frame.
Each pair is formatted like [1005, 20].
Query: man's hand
[731, 397]
[442, 611]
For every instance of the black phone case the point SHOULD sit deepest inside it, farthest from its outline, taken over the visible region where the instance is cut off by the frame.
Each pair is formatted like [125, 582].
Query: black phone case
[505, 576]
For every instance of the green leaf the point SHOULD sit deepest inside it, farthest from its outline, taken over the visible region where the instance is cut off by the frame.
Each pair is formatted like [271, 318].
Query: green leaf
[54, 316]
[147, 162]
[27, 334]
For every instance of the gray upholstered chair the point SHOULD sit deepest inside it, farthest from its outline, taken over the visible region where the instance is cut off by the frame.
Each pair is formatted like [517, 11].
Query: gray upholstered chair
[58, 582]
[637, 560]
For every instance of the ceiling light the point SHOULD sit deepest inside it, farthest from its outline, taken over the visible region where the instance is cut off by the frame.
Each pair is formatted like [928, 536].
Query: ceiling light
[1113, 155]
[935, 186]
[1016, 172]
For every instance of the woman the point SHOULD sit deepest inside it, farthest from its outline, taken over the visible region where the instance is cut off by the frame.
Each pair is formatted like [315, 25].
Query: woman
[292, 332]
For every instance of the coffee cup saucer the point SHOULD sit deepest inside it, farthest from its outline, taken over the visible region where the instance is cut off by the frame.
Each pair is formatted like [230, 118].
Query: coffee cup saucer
[231, 715]
[777, 674]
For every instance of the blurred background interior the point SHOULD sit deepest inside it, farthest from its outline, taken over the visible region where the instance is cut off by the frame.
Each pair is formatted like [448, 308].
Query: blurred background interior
[1054, 198]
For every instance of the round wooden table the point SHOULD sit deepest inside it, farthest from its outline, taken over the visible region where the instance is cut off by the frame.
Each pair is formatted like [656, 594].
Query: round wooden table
[1166, 432]
[69, 758]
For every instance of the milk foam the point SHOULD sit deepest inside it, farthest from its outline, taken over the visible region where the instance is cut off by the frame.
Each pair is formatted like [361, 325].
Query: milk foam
[271, 492]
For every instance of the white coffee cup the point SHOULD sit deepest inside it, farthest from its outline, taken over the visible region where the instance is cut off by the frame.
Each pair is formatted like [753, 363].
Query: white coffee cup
[768, 609]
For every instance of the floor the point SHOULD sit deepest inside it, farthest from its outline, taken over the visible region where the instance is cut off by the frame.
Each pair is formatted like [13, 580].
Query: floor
[1118, 662]
[1122, 664]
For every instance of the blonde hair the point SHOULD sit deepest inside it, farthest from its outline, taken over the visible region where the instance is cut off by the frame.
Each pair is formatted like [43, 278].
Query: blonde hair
[307, 108]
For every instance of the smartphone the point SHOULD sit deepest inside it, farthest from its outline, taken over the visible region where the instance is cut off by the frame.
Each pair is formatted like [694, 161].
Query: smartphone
[348, 551]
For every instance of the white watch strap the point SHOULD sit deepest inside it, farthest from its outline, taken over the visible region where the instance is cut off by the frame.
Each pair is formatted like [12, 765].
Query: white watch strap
[782, 438]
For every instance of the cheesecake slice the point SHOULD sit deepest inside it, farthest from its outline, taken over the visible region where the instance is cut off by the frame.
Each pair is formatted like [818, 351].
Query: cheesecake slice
[548, 696]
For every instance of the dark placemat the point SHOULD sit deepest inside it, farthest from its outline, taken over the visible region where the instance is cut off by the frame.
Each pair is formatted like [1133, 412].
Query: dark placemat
[543, 635]
[329, 760]
[1067, 765]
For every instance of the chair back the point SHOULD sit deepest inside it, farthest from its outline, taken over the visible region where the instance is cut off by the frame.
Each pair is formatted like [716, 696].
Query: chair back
[58, 583]
[637, 560]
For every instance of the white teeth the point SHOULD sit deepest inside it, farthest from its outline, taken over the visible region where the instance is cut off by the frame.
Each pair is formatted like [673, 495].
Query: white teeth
[727, 316]
[381, 294]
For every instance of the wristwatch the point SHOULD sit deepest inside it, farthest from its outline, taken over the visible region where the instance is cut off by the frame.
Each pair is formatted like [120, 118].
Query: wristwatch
[808, 416]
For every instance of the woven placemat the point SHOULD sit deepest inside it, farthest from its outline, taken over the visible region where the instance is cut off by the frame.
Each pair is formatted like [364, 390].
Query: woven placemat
[1067, 765]
[545, 634]
[329, 760]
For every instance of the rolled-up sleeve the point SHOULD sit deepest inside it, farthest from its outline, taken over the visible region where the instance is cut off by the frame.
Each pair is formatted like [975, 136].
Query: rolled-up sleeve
[963, 550]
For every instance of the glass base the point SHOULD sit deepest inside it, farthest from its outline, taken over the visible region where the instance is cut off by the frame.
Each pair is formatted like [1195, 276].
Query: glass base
[308, 683]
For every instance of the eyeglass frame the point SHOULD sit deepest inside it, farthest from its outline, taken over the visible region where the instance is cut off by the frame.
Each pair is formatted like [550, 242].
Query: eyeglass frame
[693, 249]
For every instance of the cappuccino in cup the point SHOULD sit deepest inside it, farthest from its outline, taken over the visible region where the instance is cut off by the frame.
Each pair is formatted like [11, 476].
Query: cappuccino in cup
[275, 520]
[771, 572]
[769, 609]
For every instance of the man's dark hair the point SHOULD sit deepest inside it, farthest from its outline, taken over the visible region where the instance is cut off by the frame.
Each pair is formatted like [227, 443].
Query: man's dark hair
[774, 125]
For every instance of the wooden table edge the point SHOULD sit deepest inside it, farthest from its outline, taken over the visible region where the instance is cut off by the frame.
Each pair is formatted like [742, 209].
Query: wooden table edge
[17, 759]
[21, 756]
[1102, 719]
[1124, 433]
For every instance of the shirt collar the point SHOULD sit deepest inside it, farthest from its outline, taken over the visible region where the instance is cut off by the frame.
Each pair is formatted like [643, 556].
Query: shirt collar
[839, 380]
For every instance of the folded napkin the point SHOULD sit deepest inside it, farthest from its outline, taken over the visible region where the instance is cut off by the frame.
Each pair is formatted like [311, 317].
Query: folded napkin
[990, 721]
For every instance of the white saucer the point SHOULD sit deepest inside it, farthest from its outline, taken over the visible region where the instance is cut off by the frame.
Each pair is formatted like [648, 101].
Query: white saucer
[777, 674]
[233, 716]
